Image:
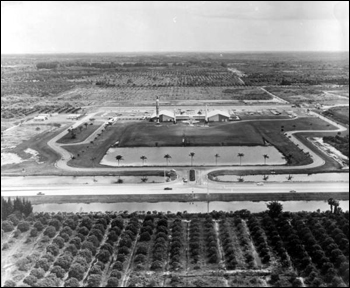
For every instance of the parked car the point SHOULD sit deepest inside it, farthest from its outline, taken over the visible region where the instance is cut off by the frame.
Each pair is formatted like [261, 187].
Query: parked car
[168, 188]
[260, 183]
[40, 193]
[293, 191]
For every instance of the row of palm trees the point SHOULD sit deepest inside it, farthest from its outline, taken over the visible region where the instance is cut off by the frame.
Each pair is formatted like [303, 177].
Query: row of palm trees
[167, 157]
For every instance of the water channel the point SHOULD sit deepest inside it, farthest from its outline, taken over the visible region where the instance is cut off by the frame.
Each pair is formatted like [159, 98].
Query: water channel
[190, 207]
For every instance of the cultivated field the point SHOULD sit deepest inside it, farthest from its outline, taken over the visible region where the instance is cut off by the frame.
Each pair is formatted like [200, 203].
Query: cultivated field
[176, 250]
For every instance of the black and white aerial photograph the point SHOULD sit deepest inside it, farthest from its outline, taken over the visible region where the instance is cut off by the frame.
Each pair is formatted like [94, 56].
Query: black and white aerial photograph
[175, 144]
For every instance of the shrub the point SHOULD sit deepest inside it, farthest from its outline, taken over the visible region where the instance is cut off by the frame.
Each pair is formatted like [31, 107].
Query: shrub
[59, 242]
[65, 237]
[59, 271]
[49, 281]
[9, 283]
[86, 222]
[71, 223]
[88, 245]
[77, 271]
[5, 246]
[93, 239]
[76, 242]
[23, 226]
[43, 263]
[64, 261]
[108, 247]
[113, 236]
[112, 282]
[140, 258]
[55, 223]
[34, 232]
[49, 257]
[72, 249]
[30, 280]
[94, 281]
[123, 250]
[82, 261]
[121, 258]
[156, 265]
[45, 239]
[83, 230]
[86, 253]
[117, 274]
[118, 266]
[38, 225]
[16, 233]
[13, 219]
[72, 282]
[95, 270]
[142, 250]
[67, 230]
[50, 231]
[118, 222]
[53, 249]
[7, 226]
[103, 256]
[97, 233]
[38, 273]
[145, 236]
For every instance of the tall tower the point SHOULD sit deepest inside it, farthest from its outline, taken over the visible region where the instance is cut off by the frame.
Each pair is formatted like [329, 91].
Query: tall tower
[157, 109]
[206, 113]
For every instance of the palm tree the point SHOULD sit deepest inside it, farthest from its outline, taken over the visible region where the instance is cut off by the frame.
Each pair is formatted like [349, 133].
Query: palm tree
[240, 155]
[216, 159]
[265, 158]
[266, 177]
[331, 203]
[336, 205]
[290, 177]
[119, 157]
[191, 155]
[167, 157]
[144, 179]
[143, 158]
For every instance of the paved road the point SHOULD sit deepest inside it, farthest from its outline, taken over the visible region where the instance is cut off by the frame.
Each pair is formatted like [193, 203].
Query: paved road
[181, 188]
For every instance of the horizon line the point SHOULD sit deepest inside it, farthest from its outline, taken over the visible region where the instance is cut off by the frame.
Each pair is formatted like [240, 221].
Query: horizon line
[160, 52]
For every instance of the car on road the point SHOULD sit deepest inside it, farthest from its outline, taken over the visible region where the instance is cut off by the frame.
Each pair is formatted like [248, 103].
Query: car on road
[168, 188]
[40, 193]
[260, 183]
[293, 191]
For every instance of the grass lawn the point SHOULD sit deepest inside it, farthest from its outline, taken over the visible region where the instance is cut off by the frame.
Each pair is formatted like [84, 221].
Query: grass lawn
[340, 114]
[80, 135]
[239, 133]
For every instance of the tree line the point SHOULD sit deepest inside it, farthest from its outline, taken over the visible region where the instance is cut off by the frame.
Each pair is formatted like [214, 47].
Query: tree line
[8, 206]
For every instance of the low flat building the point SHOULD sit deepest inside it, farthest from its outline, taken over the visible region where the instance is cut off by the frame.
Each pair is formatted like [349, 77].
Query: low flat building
[164, 116]
[40, 118]
[218, 116]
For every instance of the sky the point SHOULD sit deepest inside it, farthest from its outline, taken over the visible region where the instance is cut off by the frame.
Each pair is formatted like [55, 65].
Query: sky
[149, 26]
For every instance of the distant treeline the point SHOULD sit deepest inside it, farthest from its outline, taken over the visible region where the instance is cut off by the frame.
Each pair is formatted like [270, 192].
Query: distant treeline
[17, 205]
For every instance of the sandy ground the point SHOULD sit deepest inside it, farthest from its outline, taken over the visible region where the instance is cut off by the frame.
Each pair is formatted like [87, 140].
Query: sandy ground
[10, 158]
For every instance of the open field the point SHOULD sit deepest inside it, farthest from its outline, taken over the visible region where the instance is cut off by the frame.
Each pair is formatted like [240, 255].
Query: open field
[172, 250]
[310, 94]
[340, 114]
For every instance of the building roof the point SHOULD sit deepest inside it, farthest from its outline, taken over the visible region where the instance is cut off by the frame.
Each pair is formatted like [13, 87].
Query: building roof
[164, 112]
[218, 112]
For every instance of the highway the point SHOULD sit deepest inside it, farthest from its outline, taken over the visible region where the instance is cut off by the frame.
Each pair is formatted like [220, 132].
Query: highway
[177, 187]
